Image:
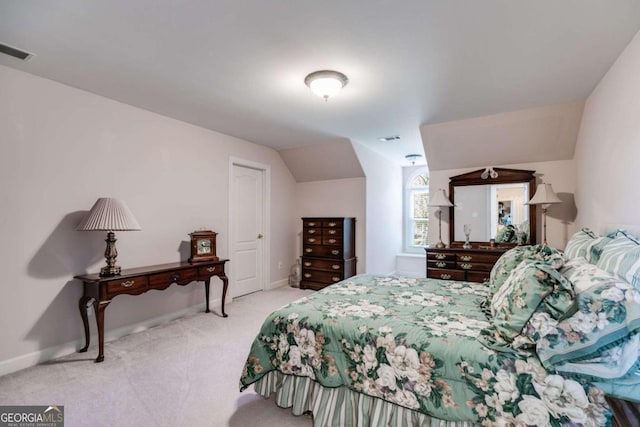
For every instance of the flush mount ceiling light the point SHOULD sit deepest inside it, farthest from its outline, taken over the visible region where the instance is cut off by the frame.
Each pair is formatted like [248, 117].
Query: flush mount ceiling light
[326, 83]
[413, 158]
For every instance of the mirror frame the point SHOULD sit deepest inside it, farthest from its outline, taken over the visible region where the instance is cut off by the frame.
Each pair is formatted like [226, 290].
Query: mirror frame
[505, 176]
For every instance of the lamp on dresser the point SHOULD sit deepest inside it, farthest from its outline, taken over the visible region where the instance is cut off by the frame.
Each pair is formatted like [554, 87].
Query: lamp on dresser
[440, 200]
[110, 215]
[544, 196]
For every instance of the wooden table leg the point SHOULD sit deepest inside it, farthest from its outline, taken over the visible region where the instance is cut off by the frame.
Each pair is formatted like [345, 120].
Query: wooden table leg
[225, 284]
[207, 282]
[99, 309]
[85, 321]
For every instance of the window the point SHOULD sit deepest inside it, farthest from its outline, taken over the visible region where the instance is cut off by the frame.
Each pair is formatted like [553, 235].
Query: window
[416, 212]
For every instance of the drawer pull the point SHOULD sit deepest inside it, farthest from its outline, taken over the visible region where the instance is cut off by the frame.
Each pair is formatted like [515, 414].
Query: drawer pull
[332, 231]
[128, 283]
[332, 224]
[312, 232]
[311, 224]
[466, 266]
[307, 264]
[335, 279]
[335, 252]
[175, 277]
[311, 240]
[466, 258]
[336, 266]
[441, 264]
[308, 250]
[445, 276]
[307, 275]
[211, 269]
[332, 240]
[441, 256]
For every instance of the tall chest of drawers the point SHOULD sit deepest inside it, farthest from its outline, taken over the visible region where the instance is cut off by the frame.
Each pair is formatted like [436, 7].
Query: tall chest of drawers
[328, 251]
[471, 265]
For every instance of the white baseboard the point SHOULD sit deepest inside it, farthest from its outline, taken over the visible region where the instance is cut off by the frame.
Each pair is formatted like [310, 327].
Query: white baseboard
[277, 284]
[40, 356]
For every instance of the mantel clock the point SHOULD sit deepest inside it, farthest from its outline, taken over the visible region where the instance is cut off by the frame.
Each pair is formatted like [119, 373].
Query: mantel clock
[203, 246]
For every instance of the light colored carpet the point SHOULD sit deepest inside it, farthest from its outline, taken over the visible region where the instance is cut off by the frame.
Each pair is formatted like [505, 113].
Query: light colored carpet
[182, 373]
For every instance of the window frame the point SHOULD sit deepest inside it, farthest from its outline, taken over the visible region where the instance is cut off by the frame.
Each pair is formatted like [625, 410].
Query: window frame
[411, 173]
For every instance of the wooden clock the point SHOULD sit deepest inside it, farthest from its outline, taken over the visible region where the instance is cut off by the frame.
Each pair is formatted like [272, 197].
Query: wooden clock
[203, 246]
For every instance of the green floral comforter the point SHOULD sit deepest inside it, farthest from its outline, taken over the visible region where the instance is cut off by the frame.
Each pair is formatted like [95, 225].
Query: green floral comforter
[413, 342]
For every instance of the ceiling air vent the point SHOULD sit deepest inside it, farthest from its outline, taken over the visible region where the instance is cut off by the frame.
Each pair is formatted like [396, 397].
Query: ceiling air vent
[389, 138]
[16, 53]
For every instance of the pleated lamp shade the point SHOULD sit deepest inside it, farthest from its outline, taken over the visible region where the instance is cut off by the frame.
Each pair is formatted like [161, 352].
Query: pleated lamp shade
[109, 214]
[544, 196]
[440, 199]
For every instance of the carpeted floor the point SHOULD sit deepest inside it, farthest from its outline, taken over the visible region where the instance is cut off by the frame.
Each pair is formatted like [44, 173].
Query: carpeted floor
[182, 373]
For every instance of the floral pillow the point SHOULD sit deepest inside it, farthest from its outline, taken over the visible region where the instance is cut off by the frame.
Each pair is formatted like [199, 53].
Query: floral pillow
[621, 257]
[513, 257]
[584, 275]
[531, 287]
[607, 317]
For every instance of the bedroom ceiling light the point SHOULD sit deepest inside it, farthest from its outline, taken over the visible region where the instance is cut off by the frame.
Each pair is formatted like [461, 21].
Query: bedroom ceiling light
[544, 196]
[413, 158]
[326, 83]
[109, 215]
[440, 200]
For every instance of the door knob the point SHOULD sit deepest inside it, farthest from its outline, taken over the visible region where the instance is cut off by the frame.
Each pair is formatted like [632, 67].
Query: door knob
[260, 236]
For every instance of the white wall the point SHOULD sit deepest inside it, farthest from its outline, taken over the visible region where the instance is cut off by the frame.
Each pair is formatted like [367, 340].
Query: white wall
[61, 149]
[608, 149]
[560, 218]
[338, 198]
[384, 210]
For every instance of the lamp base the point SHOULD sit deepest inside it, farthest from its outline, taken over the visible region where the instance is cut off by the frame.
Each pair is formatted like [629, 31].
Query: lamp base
[107, 271]
[110, 254]
[440, 245]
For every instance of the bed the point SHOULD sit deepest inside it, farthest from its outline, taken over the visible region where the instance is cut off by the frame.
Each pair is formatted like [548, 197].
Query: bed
[378, 350]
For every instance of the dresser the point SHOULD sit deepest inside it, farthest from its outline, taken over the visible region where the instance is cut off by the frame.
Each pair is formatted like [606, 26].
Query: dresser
[328, 251]
[470, 265]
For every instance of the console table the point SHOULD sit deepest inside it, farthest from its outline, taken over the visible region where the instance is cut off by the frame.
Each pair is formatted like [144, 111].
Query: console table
[136, 281]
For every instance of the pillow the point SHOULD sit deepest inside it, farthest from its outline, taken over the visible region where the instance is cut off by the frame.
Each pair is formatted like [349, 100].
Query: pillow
[626, 388]
[507, 234]
[531, 287]
[608, 315]
[582, 243]
[584, 275]
[511, 258]
[621, 257]
[612, 363]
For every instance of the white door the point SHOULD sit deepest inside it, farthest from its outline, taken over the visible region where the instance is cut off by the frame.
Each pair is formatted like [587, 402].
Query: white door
[248, 229]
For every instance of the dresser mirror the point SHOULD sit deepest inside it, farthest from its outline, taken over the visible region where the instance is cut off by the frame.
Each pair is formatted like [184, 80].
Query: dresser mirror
[491, 204]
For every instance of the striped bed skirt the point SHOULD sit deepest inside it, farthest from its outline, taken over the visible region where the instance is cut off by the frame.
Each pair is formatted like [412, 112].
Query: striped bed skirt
[333, 407]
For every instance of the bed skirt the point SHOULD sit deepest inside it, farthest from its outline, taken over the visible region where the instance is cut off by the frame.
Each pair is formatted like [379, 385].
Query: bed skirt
[340, 406]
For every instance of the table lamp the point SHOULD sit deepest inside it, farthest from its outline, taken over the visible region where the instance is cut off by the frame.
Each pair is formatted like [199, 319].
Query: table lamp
[544, 196]
[440, 200]
[109, 215]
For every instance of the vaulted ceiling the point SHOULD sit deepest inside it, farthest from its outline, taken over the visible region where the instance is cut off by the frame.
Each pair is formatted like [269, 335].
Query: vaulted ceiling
[238, 67]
